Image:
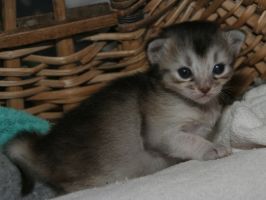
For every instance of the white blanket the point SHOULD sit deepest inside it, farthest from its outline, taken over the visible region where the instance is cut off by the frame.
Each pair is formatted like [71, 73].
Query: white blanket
[243, 125]
[239, 176]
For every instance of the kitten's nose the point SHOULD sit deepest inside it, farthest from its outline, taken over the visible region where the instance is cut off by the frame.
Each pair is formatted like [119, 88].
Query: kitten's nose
[204, 90]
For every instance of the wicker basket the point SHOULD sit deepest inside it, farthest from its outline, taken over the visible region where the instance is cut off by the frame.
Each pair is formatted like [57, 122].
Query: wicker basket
[51, 62]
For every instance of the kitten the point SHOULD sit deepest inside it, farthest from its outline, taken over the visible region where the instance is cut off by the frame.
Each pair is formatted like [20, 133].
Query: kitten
[140, 124]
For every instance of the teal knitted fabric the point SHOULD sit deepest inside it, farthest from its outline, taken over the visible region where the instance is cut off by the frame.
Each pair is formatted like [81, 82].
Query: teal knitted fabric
[14, 121]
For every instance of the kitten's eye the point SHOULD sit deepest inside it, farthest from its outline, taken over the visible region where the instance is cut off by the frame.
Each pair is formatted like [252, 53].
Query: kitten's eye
[184, 72]
[218, 69]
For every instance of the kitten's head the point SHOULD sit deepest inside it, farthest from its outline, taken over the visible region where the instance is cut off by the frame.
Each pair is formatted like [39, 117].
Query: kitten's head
[195, 58]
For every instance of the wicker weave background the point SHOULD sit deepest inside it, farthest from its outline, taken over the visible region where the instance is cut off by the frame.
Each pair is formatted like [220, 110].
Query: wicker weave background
[47, 70]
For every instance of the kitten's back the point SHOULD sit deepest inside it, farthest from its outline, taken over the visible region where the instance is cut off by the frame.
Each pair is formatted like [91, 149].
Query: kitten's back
[87, 140]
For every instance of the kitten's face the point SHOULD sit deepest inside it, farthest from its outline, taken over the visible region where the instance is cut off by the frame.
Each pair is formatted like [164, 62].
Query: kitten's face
[199, 78]
[195, 62]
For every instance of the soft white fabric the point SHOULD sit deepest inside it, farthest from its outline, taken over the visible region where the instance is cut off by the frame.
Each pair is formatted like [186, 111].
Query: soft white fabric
[239, 176]
[244, 123]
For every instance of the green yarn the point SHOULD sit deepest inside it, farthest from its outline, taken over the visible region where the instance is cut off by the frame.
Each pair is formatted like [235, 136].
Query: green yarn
[14, 121]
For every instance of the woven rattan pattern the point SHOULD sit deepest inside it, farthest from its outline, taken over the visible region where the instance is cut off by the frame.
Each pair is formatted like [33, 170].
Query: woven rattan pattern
[49, 70]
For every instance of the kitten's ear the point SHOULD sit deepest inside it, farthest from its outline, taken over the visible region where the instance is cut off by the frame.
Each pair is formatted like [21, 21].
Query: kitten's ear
[154, 50]
[235, 39]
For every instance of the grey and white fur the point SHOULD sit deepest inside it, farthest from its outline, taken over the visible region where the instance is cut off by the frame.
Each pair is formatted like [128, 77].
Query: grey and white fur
[143, 123]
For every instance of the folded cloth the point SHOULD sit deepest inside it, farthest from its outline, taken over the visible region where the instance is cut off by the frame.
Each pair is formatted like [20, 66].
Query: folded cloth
[243, 124]
[14, 121]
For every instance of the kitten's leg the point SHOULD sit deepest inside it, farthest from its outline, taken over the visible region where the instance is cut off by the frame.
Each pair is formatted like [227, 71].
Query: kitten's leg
[189, 146]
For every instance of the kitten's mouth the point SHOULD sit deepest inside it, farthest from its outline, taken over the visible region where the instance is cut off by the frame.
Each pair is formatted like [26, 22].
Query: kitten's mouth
[205, 95]
[205, 98]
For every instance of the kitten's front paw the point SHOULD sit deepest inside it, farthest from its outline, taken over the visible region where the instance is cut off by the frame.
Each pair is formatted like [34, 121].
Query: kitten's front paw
[218, 151]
